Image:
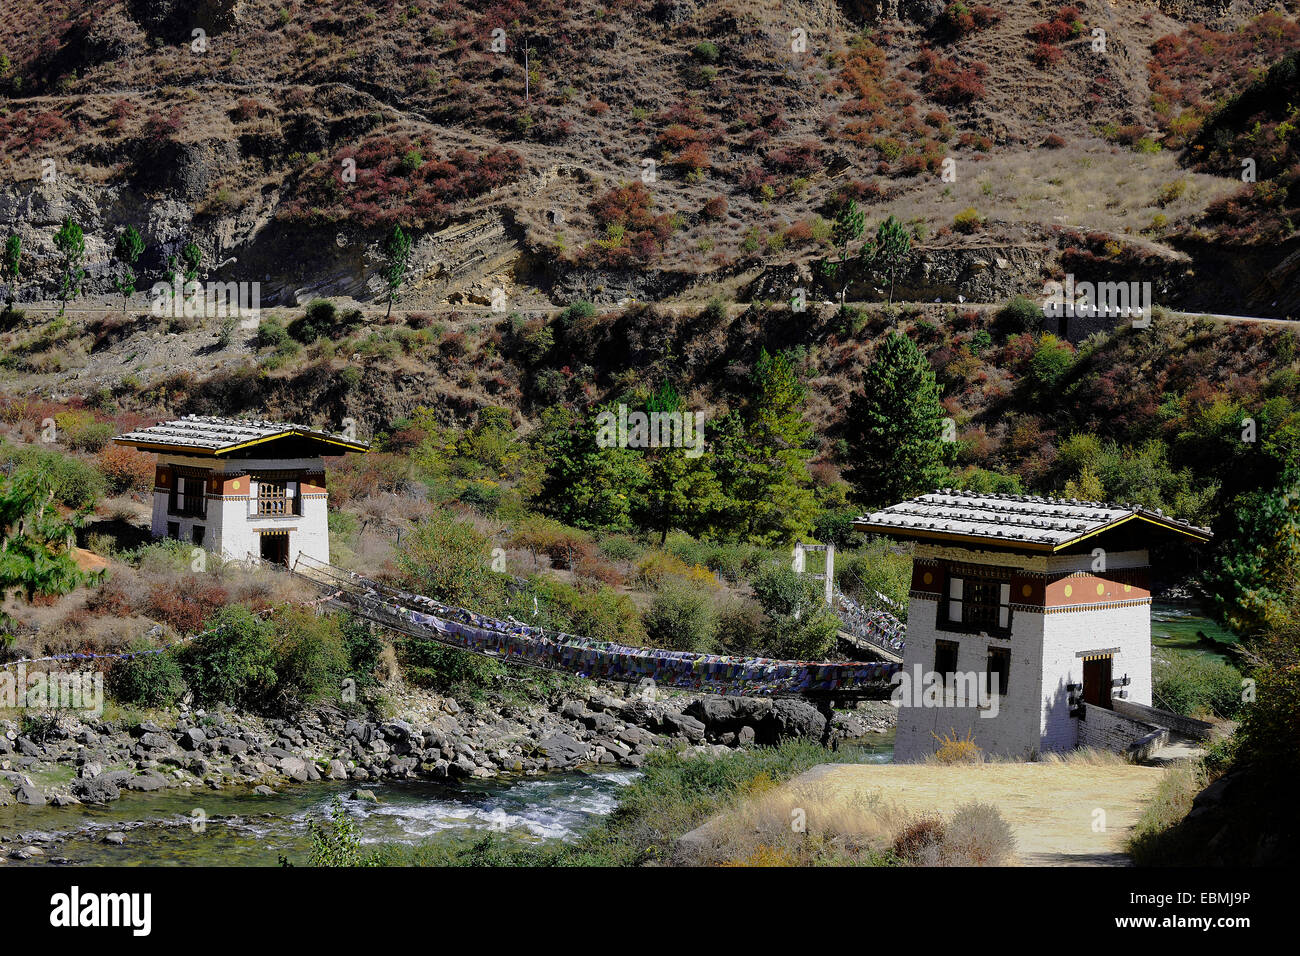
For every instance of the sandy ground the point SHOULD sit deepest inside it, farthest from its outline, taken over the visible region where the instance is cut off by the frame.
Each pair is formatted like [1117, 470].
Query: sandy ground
[1052, 807]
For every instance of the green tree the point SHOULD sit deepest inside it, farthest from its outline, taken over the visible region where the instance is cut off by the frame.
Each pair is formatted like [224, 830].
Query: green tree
[889, 250]
[71, 244]
[1253, 579]
[894, 427]
[797, 624]
[397, 259]
[847, 229]
[681, 490]
[36, 540]
[761, 453]
[587, 485]
[126, 252]
[10, 264]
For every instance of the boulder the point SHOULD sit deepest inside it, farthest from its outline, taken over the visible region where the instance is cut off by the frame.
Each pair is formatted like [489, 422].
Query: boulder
[191, 739]
[562, 749]
[30, 794]
[146, 782]
[684, 726]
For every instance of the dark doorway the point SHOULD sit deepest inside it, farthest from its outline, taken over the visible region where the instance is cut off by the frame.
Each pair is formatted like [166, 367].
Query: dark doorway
[275, 548]
[1096, 681]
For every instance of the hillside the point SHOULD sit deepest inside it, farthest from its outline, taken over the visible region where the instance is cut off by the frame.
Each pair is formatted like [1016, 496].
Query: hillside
[238, 137]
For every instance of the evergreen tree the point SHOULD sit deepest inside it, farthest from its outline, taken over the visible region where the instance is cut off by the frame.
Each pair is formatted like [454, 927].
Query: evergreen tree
[36, 540]
[126, 252]
[889, 250]
[894, 427]
[585, 485]
[760, 456]
[72, 250]
[847, 229]
[397, 259]
[681, 489]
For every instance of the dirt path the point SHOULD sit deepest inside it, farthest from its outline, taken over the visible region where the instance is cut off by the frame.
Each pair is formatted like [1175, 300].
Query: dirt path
[1052, 807]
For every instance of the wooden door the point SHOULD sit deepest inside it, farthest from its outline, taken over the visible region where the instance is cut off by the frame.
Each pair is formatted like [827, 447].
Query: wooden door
[1096, 681]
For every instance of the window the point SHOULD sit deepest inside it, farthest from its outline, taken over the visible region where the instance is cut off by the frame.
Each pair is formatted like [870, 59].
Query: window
[272, 498]
[999, 670]
[188, 495]
[945, 658]
[174, 530]
[196, 534]
[977, 604]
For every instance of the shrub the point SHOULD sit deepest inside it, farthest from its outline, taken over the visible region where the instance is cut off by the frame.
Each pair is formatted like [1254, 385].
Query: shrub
[450, 560]
[1053, 141]
[185, 605]
[151, 680]
[681, 618]
[233, 665]
[81, 432]
[620, 547]
[954, 749]
[920, 840]
[1020, 314]
[311, 657]
[126, 469]
[977, 835]
[706, 52]
[1196, 686]
[968, 221]
[1052, 361]
[363, 647]
[739, 623]
[271, 333]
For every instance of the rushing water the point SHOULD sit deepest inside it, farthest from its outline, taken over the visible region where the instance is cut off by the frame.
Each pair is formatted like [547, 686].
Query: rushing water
[241, 828]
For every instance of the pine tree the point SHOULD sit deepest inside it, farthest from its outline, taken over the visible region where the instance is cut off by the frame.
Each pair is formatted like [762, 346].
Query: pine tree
[889, 250]
[681, 491]
[586, 485]
[397, 259]
[895, 427]
[126, 252]
[761, 456]
[72, 250]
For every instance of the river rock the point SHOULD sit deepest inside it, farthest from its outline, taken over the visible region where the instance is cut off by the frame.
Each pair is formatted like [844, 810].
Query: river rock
[192, 739]
[368, 796]
[562, 749]
[116, 838]
[337, 771]
[97, 789]
[146, 782]
[295, 768]
[30, 794]
[685, 726]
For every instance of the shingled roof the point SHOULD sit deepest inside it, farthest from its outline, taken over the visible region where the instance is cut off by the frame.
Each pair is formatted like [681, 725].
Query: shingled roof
[207, 435]
[1021, 522]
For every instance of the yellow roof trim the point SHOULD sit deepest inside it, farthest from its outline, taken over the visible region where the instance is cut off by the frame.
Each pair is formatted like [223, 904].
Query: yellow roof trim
[217, 452]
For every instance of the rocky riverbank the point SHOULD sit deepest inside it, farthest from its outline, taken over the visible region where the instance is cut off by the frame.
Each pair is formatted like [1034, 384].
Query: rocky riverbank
[78, 760]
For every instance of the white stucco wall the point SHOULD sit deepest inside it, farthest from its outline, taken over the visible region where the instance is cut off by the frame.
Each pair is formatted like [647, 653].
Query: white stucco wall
[1046, 655]
[232, 523]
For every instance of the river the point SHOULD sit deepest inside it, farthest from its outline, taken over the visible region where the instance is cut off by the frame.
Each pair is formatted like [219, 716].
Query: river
[239, 827]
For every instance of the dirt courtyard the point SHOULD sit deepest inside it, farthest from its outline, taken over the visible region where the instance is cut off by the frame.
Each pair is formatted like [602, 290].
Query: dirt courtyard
[1051, 806]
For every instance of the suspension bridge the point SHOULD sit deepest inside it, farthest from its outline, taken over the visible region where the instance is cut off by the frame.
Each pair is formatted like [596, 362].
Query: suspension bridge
[513, 641]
